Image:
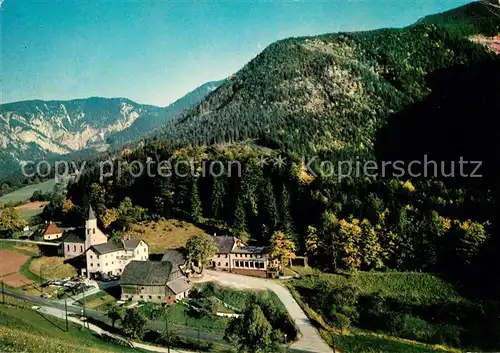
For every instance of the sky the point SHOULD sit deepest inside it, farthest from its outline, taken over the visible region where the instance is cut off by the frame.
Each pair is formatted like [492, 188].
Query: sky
[154, 52]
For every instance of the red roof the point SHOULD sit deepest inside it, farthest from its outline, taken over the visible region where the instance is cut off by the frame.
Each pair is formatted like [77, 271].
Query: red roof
[52, 229]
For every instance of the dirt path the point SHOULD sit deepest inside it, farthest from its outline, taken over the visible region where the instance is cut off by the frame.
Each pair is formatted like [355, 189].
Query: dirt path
[32, 206]
[310, 341]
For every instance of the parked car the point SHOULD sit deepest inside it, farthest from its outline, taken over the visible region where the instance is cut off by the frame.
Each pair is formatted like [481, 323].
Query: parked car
[106, 279]
[44, 296]
[114, 277]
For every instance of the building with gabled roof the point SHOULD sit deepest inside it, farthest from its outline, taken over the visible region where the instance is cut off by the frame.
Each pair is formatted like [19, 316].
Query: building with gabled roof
[111, 258]
[153, 281]
[52, 232]
[236, 257]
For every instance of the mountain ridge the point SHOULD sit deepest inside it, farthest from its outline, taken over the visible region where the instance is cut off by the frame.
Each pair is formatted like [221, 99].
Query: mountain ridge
[37, 129]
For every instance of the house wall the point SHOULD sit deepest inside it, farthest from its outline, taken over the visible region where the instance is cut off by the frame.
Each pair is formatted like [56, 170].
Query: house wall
[52, 236]
[73, 249]
[114, 263]
[152, 294]
[258, 262]
[230, 262]
[221, 261]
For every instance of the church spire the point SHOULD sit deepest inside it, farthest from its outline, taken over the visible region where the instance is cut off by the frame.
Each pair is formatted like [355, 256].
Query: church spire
[91, 214]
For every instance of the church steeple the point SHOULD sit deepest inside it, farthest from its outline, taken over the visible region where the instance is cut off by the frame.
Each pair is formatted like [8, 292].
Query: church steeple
[91, 214]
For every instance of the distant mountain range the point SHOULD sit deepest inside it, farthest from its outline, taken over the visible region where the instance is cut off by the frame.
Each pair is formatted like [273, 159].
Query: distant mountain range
[36, 129]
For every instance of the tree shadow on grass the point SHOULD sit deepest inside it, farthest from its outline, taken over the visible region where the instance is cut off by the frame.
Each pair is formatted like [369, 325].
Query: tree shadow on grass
[359, 343]
[52, 322]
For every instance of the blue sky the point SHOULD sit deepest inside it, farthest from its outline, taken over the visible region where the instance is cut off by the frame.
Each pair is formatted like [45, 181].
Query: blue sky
[156, 51]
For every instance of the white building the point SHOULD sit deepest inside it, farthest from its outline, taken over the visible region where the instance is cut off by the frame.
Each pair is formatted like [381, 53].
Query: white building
[237, 257]
[111, 258]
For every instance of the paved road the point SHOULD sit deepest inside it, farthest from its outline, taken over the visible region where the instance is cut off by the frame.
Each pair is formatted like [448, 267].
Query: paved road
[310, 341]
[61, 314]
[33, 242]
[156, 325]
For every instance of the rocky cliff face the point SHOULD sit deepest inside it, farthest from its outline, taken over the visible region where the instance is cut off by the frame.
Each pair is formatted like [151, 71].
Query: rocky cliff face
[37, 128]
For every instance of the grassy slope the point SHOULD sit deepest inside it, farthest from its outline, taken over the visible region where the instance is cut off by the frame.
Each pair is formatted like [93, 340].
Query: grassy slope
[404, 287]
[28, 331]
[53, 268]
[164, 235]
[25, 193]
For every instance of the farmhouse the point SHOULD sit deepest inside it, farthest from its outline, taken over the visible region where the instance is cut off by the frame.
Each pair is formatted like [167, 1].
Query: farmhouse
[111, 258]
[153, 281]
[236, 257]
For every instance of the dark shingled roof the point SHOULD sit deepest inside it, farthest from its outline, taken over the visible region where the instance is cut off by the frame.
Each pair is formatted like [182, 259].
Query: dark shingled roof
[247, 249]
[146, 273]
[131, 244]
[224, 243]
[106, 248]
[76, 235]
[176, 257]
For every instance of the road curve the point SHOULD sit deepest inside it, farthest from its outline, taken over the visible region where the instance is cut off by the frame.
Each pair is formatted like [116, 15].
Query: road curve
[309, 341]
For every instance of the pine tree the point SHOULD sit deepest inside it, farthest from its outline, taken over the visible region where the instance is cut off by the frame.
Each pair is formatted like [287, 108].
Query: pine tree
[269, 209]
[240, 220]
[194, 202]
[218, 193]
[286, 220]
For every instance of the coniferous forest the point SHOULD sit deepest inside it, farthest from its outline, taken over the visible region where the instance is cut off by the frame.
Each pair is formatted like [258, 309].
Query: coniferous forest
[385, 95]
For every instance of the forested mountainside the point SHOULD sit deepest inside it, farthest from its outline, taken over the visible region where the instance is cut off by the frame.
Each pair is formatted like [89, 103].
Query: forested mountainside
[471, 19]
[325, 93]
[385, 95]
[396, 94]
[425, 92]
[33, 130]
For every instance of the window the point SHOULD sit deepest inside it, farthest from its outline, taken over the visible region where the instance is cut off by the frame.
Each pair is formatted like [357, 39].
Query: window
[93, 230]
[112, 263]
[142, 288]
[226, 256]
[226, 264]
[218, 255]
[81, 248]
[159, 297]
[91, 264]
[218, 263]
[246, 255]
[74, 248]
[91, 257]
[106, 264]
[98, 265]
[150, 297]
[142, 297]
[67, 248]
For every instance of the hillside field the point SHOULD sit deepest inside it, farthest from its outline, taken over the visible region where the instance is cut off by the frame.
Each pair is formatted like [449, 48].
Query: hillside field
[25, 193]
[406, 288]
[165, 234]
[24, 330]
